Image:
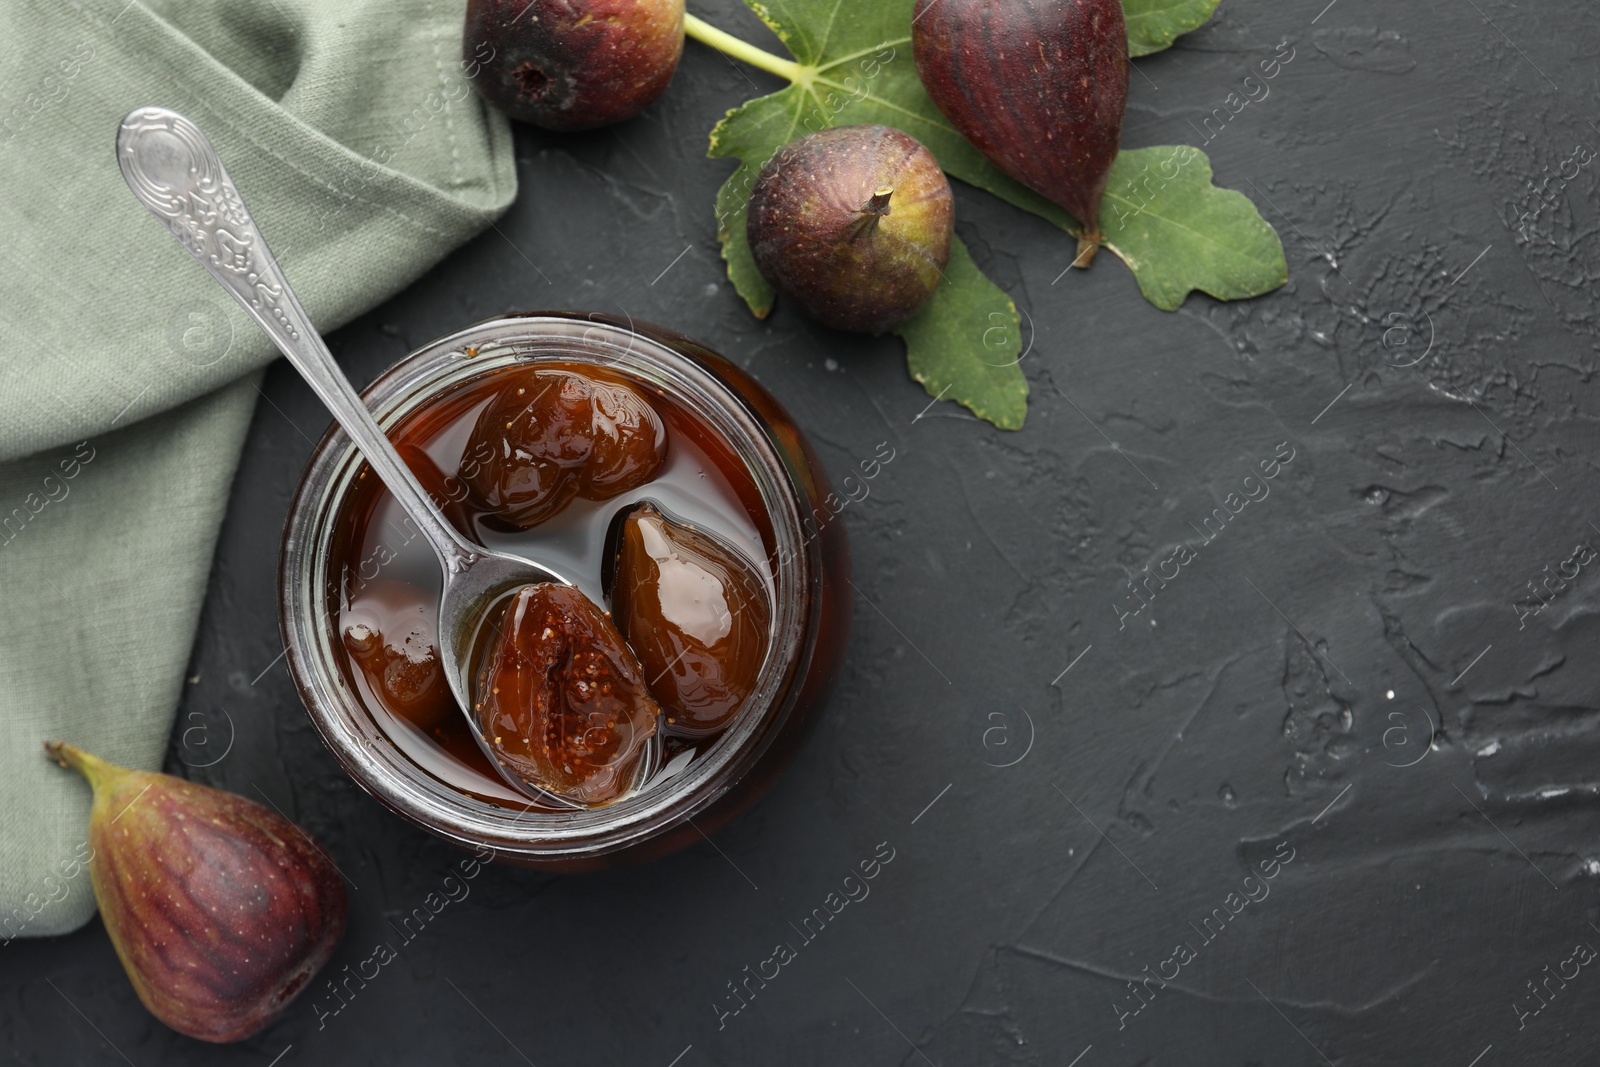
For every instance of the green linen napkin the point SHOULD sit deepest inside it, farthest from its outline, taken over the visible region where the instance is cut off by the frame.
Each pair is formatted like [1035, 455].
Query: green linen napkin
[127, 377]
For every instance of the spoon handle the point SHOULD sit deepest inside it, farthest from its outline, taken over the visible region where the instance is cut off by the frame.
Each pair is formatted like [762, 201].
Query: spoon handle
[174, 171]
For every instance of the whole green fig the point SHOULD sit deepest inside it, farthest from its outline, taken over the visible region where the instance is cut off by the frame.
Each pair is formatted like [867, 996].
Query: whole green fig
[220, 910]
[853, 224]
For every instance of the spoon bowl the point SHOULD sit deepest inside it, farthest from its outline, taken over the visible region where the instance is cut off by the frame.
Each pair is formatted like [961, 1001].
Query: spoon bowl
[172, 168]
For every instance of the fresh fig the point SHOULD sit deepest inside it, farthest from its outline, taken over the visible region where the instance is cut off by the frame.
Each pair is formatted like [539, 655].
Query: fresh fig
[853, 224]
[560, 698]
[1039, 86]
[572, 64]
[220, 910]
[553, 435]
[696, 615]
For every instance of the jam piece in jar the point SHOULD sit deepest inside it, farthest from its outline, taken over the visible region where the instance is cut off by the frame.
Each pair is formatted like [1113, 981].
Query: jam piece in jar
[552, 435]
[560, 698]
[695, 614]
[390, 631]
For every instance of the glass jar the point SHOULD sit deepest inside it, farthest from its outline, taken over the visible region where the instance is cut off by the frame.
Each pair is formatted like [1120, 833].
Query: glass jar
[810, 616]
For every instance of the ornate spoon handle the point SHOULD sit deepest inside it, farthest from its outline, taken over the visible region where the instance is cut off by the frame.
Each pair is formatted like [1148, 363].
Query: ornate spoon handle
[174, 171]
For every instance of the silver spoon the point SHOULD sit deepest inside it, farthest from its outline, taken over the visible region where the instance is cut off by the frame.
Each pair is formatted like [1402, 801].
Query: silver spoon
[174, 171]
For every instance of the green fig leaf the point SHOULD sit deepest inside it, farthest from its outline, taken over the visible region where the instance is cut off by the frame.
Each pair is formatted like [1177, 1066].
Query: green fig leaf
[1177, 232]
[969, 314]
[733, 202]
[1154, 24]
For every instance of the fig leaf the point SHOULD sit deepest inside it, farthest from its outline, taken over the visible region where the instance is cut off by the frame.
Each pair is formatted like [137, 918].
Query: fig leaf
[1177, 232]
[965, 344]
[1154, 24]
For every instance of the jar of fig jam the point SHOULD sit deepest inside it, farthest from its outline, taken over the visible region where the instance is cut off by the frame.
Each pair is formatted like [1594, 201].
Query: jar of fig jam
[351, 565]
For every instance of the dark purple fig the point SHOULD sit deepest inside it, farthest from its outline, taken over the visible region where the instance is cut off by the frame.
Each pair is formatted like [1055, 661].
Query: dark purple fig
[1038, 86]
[853, 224]
[560, 698]
[220, 910]
[696, 615]
[572, 64]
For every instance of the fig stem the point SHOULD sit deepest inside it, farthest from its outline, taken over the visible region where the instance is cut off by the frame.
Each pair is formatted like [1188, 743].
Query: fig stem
[1088, 244]
[95, 769]
[879, 203]
[729, 45]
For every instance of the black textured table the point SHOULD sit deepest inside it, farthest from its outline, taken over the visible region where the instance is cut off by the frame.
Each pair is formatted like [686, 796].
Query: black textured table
[1212, 831]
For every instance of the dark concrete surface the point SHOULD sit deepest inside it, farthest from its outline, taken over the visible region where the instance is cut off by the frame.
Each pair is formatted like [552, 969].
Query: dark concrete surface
[1056, 836]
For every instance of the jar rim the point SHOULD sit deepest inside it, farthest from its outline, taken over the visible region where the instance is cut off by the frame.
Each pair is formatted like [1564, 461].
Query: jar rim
[360, 743]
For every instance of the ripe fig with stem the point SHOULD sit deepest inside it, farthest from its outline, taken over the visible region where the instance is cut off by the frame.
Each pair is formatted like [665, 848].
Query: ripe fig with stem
[853, 224]
[221, 910]
[1039, 86]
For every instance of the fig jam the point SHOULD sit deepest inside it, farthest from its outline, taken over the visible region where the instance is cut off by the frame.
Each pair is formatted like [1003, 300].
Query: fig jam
[386, 580]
